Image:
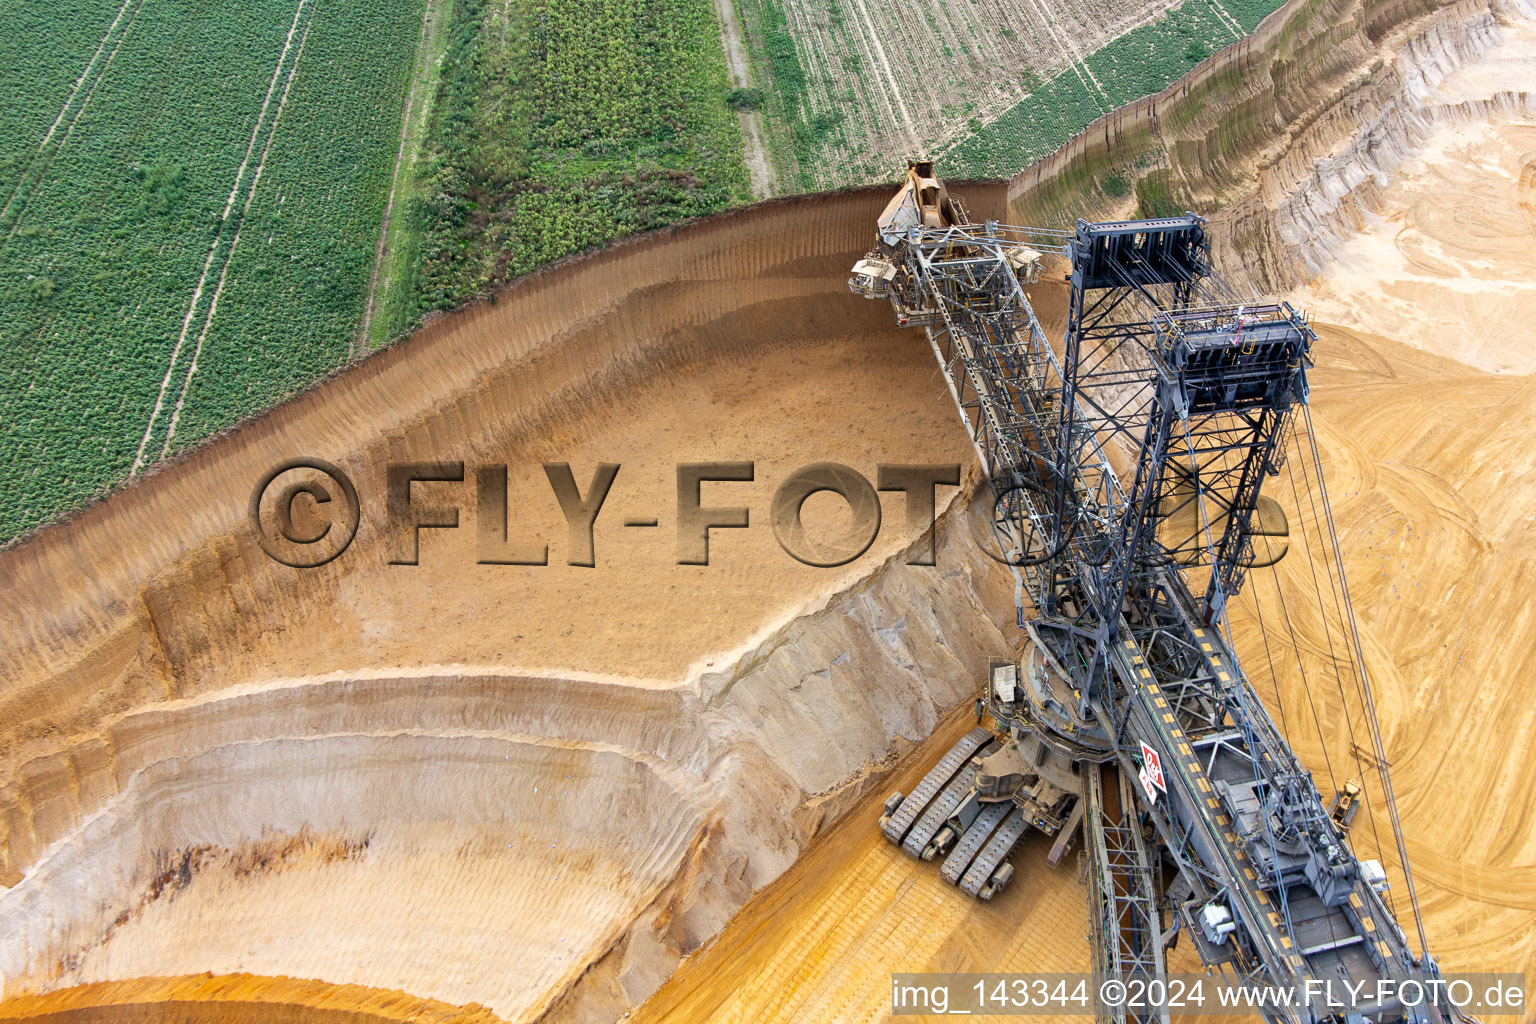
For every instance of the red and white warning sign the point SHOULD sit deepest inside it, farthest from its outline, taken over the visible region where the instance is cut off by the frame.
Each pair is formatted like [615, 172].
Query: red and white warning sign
[1152, 767]
[1146, 786]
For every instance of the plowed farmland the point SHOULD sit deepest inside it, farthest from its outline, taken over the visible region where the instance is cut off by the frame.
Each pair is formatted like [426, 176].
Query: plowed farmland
[988, 87]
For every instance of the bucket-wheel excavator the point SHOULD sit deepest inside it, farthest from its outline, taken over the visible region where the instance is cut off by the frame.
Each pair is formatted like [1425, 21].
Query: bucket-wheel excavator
[1126, 465]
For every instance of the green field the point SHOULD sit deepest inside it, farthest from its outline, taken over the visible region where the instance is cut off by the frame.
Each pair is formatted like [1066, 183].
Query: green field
[1144, 60]
[192, 196]
[193, 240]
[566, 123]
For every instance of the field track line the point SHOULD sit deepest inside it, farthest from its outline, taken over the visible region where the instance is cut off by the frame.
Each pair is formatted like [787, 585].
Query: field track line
[760, 172]
[890, 79]
[422, 46]
[35, 170]
[229, 257]
[197, 294]
[1225, 17]
[68, 100]
[1078, 62]
[250, 146]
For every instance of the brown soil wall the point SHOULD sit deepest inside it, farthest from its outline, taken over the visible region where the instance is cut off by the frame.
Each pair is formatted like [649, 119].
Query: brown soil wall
[147, 642]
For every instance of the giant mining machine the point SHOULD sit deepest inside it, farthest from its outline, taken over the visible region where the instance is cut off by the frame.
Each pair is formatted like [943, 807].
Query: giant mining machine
[1126, 468]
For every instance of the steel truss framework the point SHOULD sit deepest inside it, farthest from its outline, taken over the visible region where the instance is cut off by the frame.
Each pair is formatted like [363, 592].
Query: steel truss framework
[1122, 895]
[1122, 466]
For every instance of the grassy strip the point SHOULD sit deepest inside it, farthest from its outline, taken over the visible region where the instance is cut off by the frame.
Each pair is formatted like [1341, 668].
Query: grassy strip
[797, 136]
[562, 124]
[395, 287]
[1144, 60]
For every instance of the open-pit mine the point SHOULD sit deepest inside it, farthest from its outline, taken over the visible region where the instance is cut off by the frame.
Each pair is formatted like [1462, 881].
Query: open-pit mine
[420, 783]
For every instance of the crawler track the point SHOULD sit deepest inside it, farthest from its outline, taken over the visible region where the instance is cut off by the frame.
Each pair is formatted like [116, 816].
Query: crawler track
[899, 822]
[978, 880]
[973, 840]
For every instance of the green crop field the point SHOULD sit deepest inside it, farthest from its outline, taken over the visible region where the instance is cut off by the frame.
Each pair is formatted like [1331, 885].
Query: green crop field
[190, 197]
[1143, 61]
[193, 196]
[563, 124]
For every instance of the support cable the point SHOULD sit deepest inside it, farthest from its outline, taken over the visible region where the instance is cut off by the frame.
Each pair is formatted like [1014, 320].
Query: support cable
[1362, 676]
[1333, 658]
[1307, 689]
[1306, 685]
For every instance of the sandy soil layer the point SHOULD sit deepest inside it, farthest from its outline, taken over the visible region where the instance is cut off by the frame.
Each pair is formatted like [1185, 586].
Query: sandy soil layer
[193, 735]
[1444, 262]
[213, 762]
[1425, 441]
[820, 943]
[236, 999]
[1444, 257]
